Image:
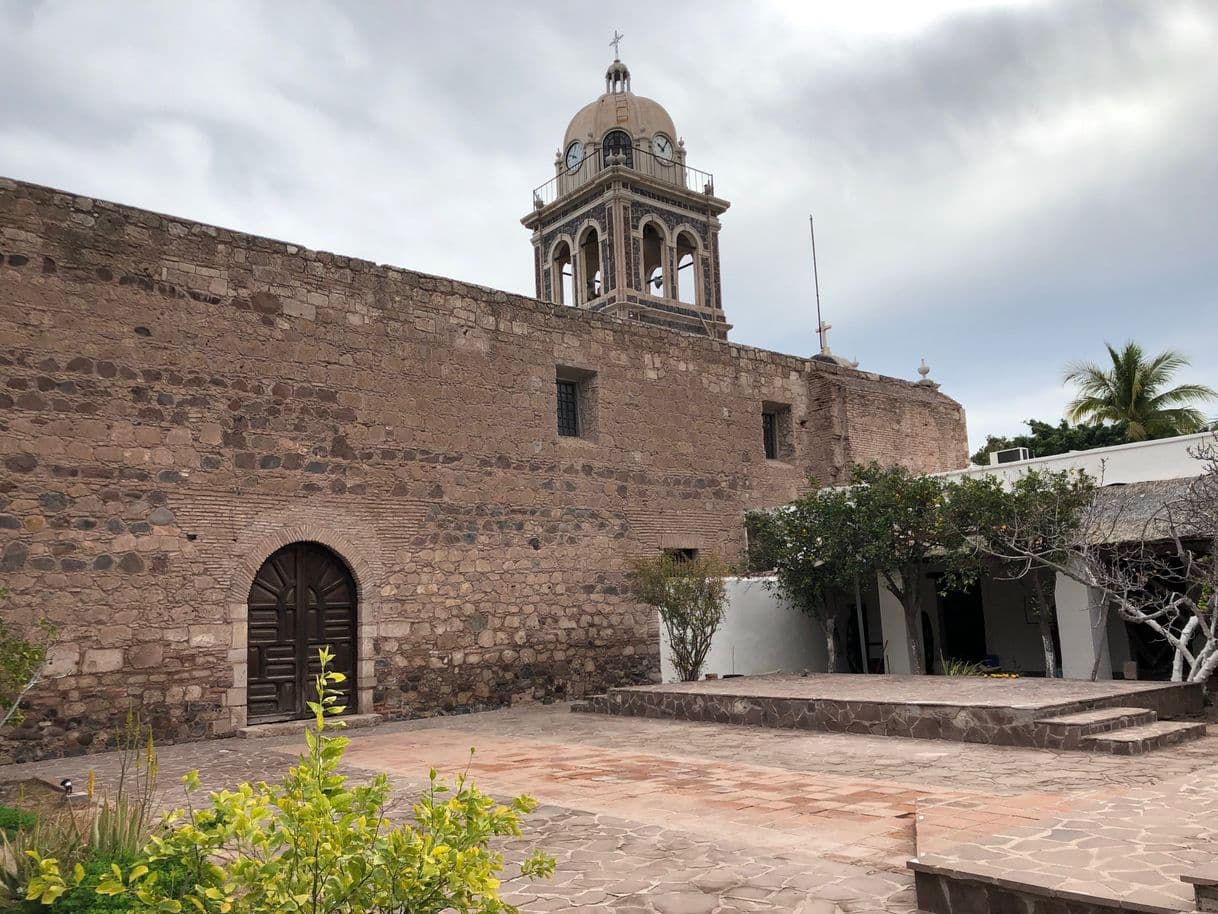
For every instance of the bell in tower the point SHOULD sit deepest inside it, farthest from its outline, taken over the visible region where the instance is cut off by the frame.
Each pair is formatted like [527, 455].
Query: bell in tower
[626, 227]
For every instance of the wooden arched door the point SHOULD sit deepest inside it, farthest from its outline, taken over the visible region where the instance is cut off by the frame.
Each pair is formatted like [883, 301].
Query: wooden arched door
[302, 598]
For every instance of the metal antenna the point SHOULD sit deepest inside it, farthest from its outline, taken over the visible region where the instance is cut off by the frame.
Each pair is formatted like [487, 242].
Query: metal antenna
[822, 329]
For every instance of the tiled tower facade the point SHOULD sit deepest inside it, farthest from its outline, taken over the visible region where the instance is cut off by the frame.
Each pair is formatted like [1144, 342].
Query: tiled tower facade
[626, 226]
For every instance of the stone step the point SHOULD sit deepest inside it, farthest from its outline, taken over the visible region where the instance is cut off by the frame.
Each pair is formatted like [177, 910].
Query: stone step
[1144, 738]
[294, 727]
[1204, 881]
[1068, 730]
[591, 704]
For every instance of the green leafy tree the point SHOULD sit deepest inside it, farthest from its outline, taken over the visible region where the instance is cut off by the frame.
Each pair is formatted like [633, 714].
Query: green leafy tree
[1135, 392]
[1025, 529]
[22, 659]
[690, 597]
[816, 556]
[903, 529]
[763, 540]
[316, 845]
[1045, 440]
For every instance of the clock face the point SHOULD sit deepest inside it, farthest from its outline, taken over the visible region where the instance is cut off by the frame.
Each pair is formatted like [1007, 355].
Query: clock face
[575, 155]
[662, 146]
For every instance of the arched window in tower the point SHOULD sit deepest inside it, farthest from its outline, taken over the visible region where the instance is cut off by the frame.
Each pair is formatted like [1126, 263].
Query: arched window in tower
[590, 264]
[687, 261]
[618, 143]
[653, 261]
[562, 275]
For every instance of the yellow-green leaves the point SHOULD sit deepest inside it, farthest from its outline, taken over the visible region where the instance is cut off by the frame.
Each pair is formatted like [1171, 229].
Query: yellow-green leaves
[316, 843]
[48, 884]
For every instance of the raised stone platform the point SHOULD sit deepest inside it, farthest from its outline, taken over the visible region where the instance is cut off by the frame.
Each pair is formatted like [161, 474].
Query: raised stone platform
[1149, 849]
[1113, 716]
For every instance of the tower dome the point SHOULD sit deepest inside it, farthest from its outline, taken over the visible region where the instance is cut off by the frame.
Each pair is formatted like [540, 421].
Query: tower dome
[627, 228]
[619, 108]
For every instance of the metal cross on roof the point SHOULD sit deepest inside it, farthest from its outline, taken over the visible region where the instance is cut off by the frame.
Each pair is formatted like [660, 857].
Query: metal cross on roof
[617, 40]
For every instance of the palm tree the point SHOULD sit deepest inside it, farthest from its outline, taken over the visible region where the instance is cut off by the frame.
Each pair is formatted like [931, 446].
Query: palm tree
[1134, 393]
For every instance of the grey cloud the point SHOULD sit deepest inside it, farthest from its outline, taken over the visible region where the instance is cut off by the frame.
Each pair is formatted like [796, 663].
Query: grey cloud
[967, 210]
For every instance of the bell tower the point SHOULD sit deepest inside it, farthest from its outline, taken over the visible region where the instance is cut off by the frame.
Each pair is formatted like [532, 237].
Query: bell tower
[626, 227]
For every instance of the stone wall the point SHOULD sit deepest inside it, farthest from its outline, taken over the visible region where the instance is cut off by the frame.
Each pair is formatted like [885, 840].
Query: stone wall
[178, 400]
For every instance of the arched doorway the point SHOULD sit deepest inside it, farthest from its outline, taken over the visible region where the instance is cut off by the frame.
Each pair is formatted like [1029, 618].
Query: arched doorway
[302, 599]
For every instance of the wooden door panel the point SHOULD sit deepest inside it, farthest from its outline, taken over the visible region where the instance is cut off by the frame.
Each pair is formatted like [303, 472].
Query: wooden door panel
[303, 598]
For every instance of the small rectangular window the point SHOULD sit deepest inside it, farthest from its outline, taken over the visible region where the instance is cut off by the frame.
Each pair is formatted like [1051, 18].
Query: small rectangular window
[777, 431]
[568, 408]
[769, 432]
[681, 556]
[576, 402]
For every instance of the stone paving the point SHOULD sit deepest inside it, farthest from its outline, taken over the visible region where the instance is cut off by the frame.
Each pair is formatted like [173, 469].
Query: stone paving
[669, 817]
[1128, 846]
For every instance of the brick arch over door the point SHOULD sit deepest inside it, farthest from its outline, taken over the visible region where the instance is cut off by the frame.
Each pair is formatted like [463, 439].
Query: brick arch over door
[366, 574]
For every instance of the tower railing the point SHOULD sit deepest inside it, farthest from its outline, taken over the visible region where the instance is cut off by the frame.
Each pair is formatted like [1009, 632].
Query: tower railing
[645, 162]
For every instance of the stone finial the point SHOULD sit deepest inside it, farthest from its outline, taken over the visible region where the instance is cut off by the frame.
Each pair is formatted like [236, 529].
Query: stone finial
[924, 371]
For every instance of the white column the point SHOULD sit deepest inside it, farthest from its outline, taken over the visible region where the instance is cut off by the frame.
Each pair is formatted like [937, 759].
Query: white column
[894, 632]
[1083, 637]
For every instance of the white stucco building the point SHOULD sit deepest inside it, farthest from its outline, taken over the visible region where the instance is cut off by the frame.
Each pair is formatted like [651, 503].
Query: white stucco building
[993, 621]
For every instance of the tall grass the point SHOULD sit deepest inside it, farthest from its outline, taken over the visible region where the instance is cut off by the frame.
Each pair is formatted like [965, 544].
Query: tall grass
[109, 828]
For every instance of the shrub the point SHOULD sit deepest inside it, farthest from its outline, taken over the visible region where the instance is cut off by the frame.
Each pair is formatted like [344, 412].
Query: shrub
[83, 898]
[763, 536]
[13, 820]
[113, 830]
[954, 667]
[315, 843]
[690, 597]
[21, 664]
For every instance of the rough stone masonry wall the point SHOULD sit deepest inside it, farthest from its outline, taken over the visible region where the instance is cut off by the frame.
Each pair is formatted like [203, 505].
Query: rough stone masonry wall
[177, 400]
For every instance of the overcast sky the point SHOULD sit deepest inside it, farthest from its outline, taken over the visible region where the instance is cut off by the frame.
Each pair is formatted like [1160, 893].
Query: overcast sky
[998, 187]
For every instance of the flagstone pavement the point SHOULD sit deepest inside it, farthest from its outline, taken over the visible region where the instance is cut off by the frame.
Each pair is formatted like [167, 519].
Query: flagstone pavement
[669, 817]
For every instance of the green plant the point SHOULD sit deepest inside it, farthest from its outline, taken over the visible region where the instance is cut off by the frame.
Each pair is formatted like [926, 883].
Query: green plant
[690, 597]
[1134, 391]
[122, 824]
[1023, 528]
[21, 662]
[111, 830]
[901, 528]
[954, 667]
[83, 898]
[1044, 439]
[316, 844]
[763, 539]
[13, 820]
[816, 557]
[51, 837]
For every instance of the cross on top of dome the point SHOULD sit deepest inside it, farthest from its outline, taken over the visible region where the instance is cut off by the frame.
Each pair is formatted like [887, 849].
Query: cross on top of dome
[617, 77]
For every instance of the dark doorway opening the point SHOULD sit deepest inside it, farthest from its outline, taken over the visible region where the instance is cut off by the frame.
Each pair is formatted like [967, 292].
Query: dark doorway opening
[963, 631]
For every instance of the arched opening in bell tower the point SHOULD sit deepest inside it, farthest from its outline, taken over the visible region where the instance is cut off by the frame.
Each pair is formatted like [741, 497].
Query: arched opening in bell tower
[687, 260]
[590, 264]
[617, 143]
[653, 261]
[562, 274]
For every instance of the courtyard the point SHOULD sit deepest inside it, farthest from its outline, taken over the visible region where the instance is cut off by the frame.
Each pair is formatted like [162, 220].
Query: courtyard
[678, 817]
